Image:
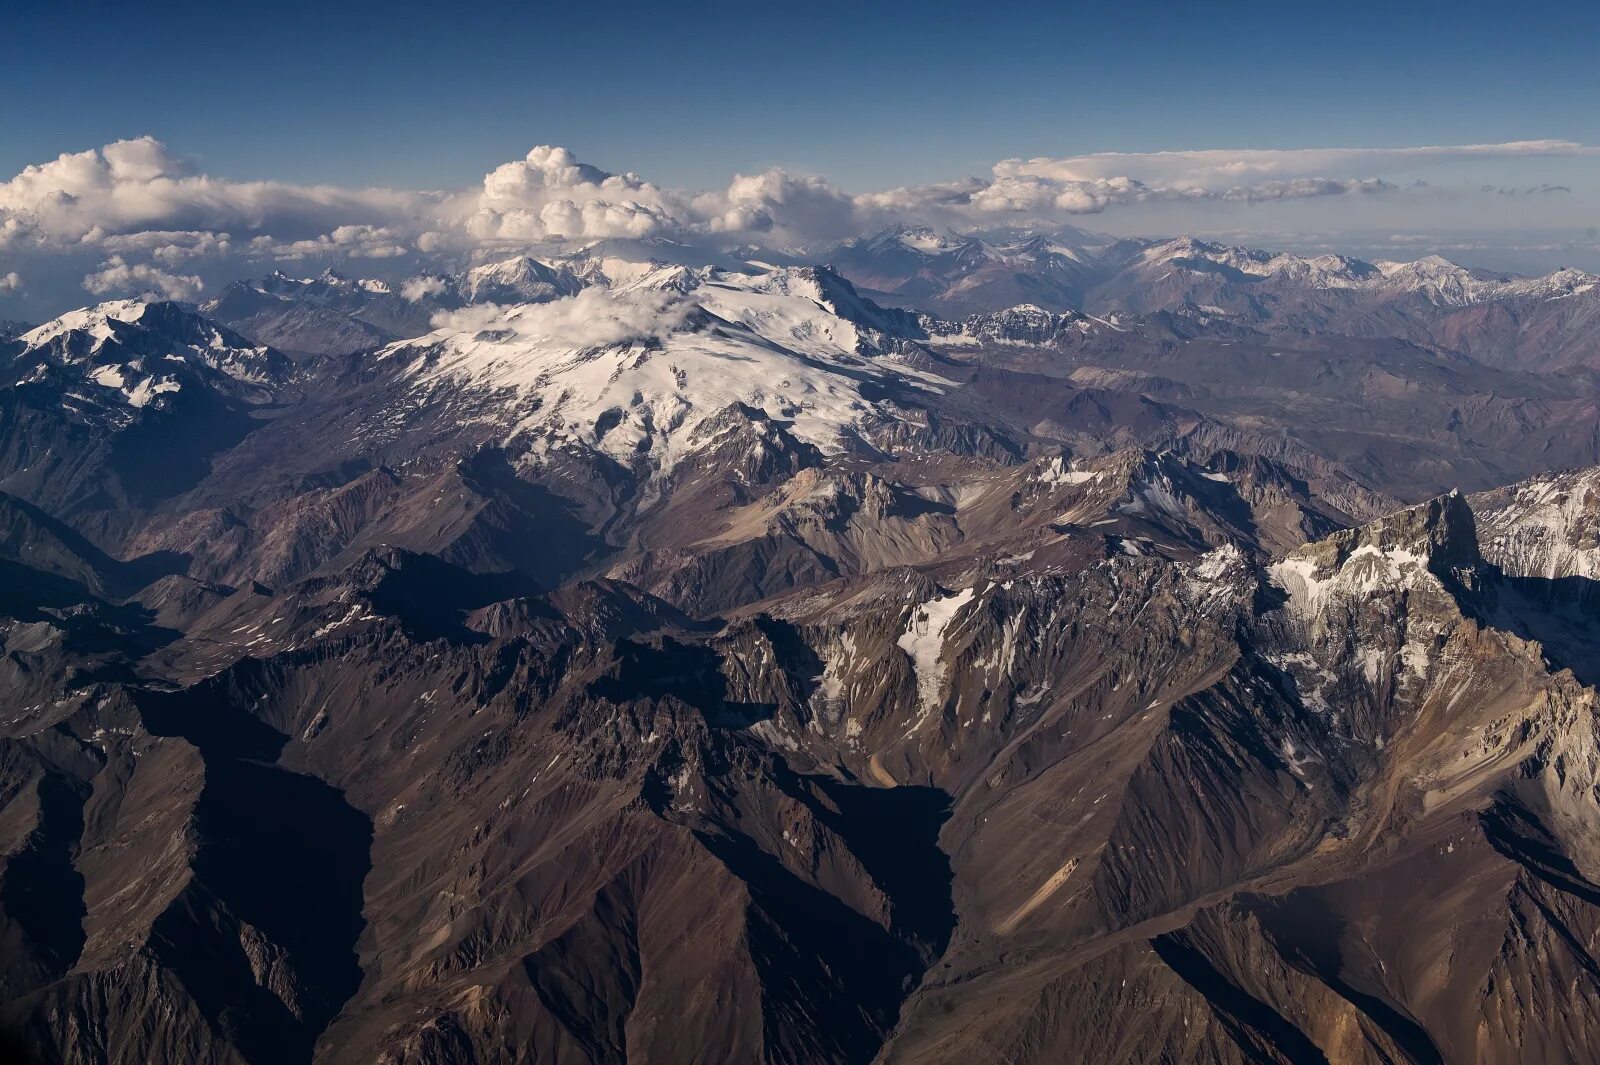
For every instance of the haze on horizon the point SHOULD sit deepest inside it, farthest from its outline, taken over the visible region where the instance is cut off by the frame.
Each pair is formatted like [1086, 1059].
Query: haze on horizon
[249, 144]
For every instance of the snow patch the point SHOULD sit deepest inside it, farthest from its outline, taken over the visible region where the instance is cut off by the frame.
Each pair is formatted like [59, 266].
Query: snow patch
[924, 639]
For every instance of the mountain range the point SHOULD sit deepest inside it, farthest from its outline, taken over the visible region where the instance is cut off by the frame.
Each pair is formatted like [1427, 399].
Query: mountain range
[1017, 647]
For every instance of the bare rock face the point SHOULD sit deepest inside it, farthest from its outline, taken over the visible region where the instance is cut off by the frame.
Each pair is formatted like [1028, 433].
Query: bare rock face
[1547, 528]
[1323, 807]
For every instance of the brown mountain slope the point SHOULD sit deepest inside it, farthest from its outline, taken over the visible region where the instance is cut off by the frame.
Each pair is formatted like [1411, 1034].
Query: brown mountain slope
[1323, 808]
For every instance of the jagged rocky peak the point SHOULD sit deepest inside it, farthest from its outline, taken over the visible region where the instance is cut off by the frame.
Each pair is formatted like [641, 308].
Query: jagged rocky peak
[1442, 532]
[1155, 500]
[749, 445]
[1438, 537]
[1025, 323]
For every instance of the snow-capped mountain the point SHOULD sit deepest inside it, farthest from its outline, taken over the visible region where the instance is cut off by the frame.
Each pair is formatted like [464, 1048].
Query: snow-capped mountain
[1506, 320]
[330, 314]
[520, 279]
[619, 260]
[1547, 322]
[954, 274]
[1434, 278]
[125, 401]
[135, 352]
[1548, 527]
[636, 369]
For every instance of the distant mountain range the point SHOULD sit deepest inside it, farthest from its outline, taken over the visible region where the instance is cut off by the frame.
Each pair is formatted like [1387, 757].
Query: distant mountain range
[1545, 323]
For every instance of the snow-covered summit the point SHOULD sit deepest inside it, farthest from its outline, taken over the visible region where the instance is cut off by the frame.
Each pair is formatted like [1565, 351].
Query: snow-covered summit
[635, 371]
[519, 279]
[95, 323]
[134, 353]
[1433, 277]
[1025, 323]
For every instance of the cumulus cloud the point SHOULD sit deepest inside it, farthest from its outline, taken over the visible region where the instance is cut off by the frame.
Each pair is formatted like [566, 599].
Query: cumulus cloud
[595, 317]
[779, 203]
[116, 276]
[132, 188]
[10, 281]
[166, 246]
[355, 242]
[151, 218]
[550, 195]
[420, 288]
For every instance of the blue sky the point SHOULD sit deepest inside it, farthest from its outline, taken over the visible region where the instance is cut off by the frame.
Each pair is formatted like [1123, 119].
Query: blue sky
[173, 146]
[429, 94]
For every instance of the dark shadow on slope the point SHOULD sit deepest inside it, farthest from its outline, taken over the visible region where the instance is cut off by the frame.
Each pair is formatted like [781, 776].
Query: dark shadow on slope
[165, 456]
[26, 523]
[1563, 614]
[1226, 502]
[431, 597]
[90, 626]
[691, 673]
[832, 980]
[794, 657]
[284, 855]
[1520, 837]
[41, 892]
[589, 976]
[1308, 935]
[894, 833]
[1248, 1020]
[526, 524]
[264, 937]
[28, 594]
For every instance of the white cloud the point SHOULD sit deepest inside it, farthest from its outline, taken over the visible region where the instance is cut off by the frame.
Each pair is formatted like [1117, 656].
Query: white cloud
[550, 195]
[136, 187]
[777, 203]
[420, 288]
[355, 242]
[148, 217]
[10, 281]
[595, 317]
[1042, 198]
[119, 276]
[1224, 168]
[167, 246]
